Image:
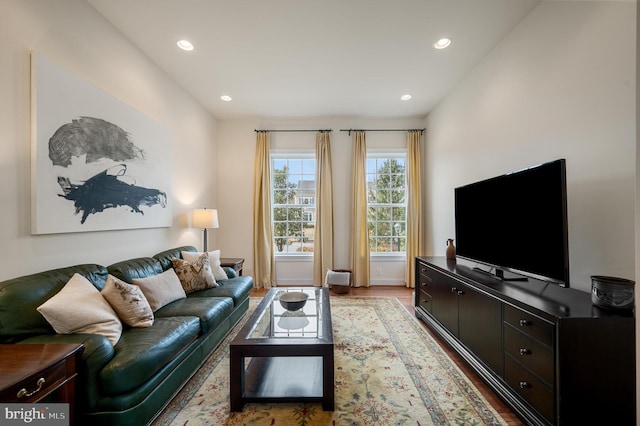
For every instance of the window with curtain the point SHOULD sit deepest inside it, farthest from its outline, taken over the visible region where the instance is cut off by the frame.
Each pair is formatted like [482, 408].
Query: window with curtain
[387, 203]
[293, 185]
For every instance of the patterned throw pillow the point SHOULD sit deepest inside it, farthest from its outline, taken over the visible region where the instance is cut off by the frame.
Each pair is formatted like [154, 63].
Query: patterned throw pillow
[129, 302]
[214, 259]
[195, 275]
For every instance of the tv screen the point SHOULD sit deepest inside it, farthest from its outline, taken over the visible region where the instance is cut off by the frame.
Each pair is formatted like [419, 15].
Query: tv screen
[517, 222]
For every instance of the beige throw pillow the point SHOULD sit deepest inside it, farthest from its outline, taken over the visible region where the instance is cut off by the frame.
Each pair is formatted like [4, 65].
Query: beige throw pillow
[161, 289]
[129, 302]
[214, 260]
[80, 308]
[195, 275]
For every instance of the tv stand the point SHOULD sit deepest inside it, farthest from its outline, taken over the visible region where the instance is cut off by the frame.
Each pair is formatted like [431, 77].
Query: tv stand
[551, 355]
[499, 274]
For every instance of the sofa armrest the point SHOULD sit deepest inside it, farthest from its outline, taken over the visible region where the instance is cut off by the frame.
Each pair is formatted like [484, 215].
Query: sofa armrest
[231, 273]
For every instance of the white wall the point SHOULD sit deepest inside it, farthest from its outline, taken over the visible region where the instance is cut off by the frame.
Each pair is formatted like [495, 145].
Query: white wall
[236, 152]
[73, 35]
[560, 85]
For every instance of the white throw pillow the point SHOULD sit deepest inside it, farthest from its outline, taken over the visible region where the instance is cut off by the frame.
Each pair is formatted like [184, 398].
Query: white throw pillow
[129, 302]
[80, 308]
[161, 289]
[214, 259]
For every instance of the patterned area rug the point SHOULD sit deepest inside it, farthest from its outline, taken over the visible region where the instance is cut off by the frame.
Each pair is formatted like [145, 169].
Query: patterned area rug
[388, 371]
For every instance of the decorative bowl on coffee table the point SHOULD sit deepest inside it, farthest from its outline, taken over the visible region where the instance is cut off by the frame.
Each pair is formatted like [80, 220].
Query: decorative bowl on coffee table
[293, 300]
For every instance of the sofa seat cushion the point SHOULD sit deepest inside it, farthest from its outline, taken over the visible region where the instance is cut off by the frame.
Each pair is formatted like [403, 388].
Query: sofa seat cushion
[237, 288]
[211, 311]
[141, 352]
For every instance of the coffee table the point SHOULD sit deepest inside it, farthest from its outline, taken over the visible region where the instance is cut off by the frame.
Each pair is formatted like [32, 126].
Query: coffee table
[284, 356]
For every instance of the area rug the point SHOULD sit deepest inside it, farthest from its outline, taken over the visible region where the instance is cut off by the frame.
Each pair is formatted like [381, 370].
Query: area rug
[388, 371]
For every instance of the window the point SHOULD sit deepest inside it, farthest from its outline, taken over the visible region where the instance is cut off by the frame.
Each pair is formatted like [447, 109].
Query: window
[387, 206]
[293, 187]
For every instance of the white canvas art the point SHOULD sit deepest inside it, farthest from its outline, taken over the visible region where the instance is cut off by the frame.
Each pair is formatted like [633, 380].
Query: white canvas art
[98, 164]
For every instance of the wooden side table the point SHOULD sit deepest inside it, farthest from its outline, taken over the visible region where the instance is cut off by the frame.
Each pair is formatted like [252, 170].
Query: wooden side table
[236, 263]
[30, 373]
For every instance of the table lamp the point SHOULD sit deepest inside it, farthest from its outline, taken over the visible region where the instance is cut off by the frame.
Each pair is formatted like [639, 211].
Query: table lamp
[205, 219]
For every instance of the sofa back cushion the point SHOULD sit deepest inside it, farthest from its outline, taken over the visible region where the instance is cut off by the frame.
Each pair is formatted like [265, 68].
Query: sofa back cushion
[166, 257]
[19, 298]
[128, 270]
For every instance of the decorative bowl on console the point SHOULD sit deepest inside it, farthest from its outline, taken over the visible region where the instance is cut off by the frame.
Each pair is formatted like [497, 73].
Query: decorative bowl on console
[293, 300]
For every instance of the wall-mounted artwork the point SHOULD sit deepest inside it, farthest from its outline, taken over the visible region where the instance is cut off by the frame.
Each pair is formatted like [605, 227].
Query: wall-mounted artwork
[98, 164]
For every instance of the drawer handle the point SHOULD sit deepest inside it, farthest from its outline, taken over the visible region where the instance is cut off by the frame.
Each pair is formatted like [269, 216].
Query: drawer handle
[23, 393]
[423, 284]
[454, 289]
[524, 323]
[460, 292]
[424, 300]
[525, 351]
[524, 385]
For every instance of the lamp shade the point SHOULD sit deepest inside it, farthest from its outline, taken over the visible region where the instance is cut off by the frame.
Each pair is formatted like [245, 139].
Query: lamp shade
[205, 218]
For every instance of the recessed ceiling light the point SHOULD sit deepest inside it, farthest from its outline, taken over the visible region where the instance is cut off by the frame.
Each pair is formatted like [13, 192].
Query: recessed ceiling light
[185, 45]
[405, 97]
[442, 43]
[225, 98]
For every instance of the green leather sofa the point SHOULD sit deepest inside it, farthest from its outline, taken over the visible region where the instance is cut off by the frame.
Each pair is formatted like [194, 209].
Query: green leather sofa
[131, 382]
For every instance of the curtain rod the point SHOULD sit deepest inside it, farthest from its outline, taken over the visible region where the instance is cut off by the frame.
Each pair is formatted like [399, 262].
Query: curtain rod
[382, 130]
[301, 130]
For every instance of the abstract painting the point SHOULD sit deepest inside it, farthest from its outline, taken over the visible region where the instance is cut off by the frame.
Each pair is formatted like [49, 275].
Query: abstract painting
[98, 164]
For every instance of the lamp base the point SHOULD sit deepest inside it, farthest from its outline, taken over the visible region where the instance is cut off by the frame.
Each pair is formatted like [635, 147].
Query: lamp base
[205, 239]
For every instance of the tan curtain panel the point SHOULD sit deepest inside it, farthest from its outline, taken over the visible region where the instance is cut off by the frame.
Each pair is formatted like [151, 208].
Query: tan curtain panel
[414, 205]
[359, 253]
[323, 241]
[263, 255]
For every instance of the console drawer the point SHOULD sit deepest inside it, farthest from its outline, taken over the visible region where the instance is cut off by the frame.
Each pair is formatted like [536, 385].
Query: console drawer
[425, 282]
[529, 352]
[37, 386]
[424, 300]
[424, 271]
[529, 324]
[532, 390]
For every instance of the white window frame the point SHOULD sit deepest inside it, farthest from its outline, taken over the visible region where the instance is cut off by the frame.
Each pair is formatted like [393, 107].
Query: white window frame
[297, 201]
[401, 240]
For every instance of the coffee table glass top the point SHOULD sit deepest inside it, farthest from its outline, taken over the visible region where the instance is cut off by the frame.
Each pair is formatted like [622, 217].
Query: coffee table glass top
[276, 322]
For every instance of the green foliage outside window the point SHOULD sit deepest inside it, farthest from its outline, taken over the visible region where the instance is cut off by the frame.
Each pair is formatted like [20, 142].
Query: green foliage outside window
[387, 211]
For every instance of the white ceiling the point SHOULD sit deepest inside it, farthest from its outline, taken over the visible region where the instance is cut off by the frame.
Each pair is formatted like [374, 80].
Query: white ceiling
[304, 58]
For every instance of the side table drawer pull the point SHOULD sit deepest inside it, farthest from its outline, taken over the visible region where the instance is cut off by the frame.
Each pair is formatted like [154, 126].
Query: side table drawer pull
[524, 385]
[23, 393]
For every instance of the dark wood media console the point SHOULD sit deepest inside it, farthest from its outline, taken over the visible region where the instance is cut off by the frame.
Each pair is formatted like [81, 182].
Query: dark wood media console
[545, 350]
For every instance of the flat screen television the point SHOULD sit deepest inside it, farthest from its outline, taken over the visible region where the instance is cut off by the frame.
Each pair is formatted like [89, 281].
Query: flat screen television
[517, 222]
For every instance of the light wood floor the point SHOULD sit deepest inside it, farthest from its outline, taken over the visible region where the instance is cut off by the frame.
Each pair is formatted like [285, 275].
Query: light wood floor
[405, 296]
